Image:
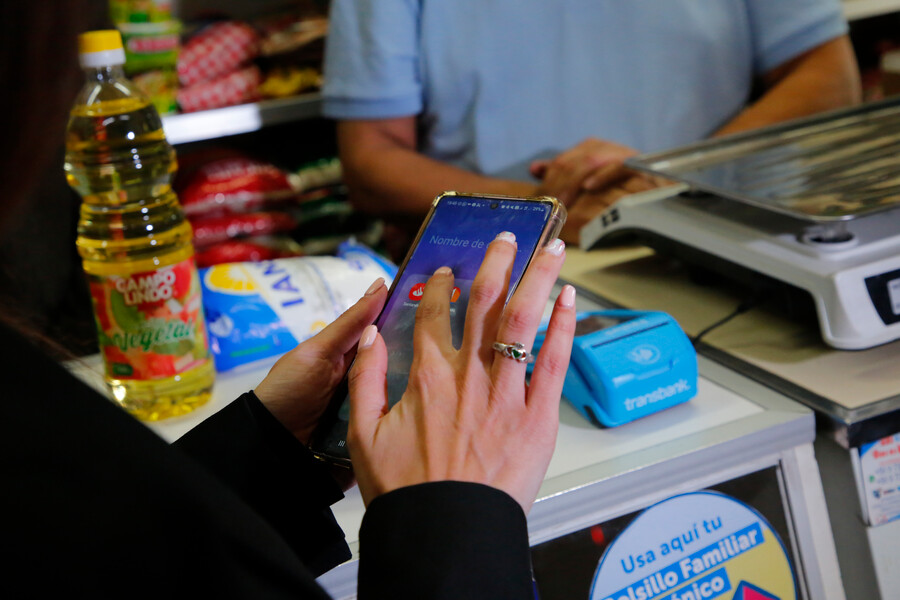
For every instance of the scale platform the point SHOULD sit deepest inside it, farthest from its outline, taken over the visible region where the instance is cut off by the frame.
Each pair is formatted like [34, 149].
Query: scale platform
[813, 205]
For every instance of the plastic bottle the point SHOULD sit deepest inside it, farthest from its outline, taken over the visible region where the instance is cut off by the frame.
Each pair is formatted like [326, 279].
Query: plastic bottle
[134, 242]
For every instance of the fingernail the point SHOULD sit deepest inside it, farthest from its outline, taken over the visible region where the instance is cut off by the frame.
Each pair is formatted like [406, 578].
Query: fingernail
[567, 296]
[376, 285]
[444, 271]
[556, 247]
[367, 337]
[506, 236]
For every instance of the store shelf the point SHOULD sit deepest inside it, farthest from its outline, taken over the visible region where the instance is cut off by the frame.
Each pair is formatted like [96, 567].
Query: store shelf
[244, 118]
[862, 9]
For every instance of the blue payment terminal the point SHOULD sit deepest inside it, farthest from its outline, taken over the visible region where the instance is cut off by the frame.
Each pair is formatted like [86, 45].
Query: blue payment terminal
[627, 364]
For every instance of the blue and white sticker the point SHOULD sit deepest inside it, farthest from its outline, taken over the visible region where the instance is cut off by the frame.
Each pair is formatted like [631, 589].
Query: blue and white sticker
[698, 546]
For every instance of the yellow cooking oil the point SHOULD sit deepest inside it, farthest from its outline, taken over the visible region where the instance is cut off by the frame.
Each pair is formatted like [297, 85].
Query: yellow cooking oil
[135, 243]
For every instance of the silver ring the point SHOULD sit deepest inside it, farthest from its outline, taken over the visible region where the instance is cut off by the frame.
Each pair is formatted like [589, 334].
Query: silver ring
[515, 351]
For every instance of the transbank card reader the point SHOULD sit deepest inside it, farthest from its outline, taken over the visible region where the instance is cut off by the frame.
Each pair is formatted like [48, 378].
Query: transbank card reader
[627, 364]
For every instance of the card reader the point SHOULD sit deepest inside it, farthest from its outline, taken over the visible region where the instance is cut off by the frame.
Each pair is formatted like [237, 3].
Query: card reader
[627, 364]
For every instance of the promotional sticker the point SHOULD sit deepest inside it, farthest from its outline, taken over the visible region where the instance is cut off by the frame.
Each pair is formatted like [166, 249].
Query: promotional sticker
[879, 467]
[696, 546]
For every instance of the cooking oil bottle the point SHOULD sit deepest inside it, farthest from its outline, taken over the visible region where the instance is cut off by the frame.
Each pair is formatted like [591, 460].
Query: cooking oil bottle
[134, 242]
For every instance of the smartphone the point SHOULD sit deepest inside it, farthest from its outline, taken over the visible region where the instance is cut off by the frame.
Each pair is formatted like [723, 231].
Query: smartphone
[456, 233]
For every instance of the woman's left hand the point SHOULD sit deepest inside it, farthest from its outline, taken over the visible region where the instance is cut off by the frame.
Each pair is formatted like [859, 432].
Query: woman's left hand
[298, 387]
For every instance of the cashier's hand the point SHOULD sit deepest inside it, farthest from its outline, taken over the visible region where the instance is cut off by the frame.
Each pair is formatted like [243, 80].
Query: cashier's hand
[593, 165]
[467, 414]
[298, 387]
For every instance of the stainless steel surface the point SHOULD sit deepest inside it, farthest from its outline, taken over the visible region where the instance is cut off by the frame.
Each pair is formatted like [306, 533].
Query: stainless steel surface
[833, 167]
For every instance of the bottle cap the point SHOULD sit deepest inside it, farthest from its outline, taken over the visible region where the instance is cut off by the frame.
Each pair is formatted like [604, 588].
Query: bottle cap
[101, 48]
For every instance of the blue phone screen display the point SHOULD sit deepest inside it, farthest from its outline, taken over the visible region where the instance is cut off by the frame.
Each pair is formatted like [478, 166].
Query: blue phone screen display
[457, 236]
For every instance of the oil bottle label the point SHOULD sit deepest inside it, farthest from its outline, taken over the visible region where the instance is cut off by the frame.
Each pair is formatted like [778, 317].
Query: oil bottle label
[150, 325]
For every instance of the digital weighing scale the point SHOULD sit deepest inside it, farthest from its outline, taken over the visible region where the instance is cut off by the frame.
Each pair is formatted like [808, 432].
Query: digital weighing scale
[813, 204]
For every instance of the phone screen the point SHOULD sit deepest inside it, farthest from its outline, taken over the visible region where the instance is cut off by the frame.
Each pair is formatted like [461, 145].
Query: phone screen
[456, 236]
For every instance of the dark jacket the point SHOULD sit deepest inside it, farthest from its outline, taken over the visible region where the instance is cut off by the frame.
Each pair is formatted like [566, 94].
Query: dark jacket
[95, 502]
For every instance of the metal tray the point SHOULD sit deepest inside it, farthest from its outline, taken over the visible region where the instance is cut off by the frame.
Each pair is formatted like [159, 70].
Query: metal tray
[836, 166]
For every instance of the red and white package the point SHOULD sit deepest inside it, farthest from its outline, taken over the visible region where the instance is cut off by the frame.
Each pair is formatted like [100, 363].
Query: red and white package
[252, 249]
[235, 88]
[216, 51]
[233, 185]
[220, 229]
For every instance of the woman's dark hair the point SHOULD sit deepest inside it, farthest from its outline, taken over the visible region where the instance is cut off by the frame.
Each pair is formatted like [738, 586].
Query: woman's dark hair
[40, 76]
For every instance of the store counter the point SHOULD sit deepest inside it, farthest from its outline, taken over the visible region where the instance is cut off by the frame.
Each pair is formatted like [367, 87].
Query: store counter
[736, 436]
[855, 394]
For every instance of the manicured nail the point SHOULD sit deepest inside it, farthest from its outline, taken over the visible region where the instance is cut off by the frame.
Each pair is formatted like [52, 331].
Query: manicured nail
[444, 271]
[567, 296]
[367, 337]
[376, 285]
[506, 236]
[555, 247]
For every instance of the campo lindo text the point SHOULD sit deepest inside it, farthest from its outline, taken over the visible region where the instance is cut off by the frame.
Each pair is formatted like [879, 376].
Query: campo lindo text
[658, 584]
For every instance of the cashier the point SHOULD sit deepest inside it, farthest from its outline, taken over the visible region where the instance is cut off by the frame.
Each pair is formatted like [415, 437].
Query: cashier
[530, 97]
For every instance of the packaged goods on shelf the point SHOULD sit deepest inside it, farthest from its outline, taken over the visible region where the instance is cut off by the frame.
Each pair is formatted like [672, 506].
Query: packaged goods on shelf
[233, 199]
[220, 182]
[282, 82]
[208, 231]
[290, 32]
[237, 87]
[140, 11]
[215, 68]
[233, 183]
[217, 50]
[252, 249]
[151, 39]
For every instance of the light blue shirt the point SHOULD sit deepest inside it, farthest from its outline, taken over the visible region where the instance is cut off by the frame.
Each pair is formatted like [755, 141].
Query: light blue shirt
[498, 83]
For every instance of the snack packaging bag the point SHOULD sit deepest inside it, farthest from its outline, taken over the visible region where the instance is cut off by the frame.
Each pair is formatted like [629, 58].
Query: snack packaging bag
[216, 51]
[257, 311]
[220, 229]
[234, 88]
[233, 184]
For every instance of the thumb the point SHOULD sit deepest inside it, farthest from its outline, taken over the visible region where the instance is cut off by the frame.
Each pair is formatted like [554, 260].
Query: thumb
[341, 334]
[367, 384]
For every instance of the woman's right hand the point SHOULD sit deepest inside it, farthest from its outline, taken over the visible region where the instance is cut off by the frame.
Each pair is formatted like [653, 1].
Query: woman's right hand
[467, 414]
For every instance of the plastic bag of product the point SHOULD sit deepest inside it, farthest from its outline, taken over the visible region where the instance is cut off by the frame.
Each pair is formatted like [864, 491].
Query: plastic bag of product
[231, 89]
[251, 249]
[233, 184]
[216, 51]
[220, 229]
[256, 311]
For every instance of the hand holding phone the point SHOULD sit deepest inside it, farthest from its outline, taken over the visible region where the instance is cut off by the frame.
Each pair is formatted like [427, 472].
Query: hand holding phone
[466, 414]
[299, 386]
[456, 233]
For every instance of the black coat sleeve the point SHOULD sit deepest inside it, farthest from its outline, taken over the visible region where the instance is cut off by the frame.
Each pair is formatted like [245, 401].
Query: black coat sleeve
[97, 503]
[445, 540]
[251, 452]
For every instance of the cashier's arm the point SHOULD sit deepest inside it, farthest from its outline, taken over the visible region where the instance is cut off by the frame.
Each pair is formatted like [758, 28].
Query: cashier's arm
[823, 78]
[387, 175]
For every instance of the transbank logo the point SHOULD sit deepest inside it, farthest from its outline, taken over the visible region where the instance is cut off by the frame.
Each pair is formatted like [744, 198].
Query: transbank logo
[748, 591]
